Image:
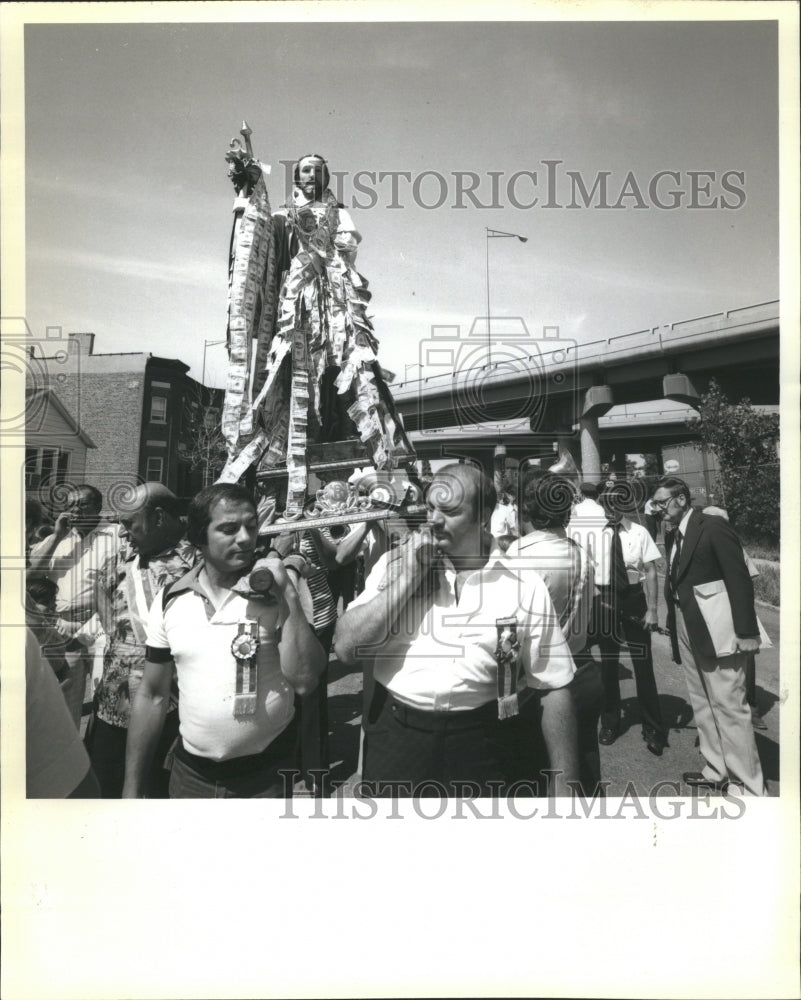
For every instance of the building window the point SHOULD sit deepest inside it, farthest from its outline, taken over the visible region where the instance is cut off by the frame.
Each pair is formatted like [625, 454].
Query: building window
[46, 466]
[155, 470]
[158, 410]
[160, 385]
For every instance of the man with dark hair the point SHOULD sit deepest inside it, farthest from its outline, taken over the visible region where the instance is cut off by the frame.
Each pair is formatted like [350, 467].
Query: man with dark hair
[460, 641]
[567, 571]
[628, 615]
[585, 526]
[240, 656]
[199, 512]
[154, 554]
[546, 504]
[73, 556]
[713, 625]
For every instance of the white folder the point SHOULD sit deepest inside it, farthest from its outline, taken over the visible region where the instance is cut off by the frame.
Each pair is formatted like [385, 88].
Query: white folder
[713, 603]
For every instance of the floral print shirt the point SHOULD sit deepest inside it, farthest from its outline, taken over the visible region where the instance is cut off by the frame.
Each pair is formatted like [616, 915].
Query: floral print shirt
[128, 586]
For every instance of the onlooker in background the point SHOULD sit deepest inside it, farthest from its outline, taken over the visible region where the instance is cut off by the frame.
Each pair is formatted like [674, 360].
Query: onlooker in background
[586, 526]
[240, 657]
[750, 658]
[504, 526]
[628, 614]
[311, 709]
[56, 762]
[35, 520]
[73, 556]
[42, 620]
[710, 601]
[651, 519]
[567, 571]
[155, 555]
[588, 505]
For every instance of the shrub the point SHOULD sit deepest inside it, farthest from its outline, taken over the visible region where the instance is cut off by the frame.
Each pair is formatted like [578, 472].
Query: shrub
[745, 441]
[767, 585]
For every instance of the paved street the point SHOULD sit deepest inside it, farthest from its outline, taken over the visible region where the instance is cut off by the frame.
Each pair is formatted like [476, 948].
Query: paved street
[627, 759]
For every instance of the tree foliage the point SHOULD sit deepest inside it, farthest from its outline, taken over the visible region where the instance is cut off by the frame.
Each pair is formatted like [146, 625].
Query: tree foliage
[745, 441]
[206, 451]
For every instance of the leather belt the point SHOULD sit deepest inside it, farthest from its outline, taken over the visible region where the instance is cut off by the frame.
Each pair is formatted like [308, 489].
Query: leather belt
[435, 721]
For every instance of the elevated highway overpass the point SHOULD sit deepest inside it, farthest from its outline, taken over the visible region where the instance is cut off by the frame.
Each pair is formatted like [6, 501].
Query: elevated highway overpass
[562, 388]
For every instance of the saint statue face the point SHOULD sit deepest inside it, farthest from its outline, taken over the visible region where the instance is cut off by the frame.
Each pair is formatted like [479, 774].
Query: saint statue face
[311, 176]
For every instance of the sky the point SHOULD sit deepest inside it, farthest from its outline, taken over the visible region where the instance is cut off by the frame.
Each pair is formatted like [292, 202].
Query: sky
[128, 206]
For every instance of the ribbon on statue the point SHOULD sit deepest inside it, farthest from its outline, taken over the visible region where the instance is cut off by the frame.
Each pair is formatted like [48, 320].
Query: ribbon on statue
[510, 669]
[250, 245]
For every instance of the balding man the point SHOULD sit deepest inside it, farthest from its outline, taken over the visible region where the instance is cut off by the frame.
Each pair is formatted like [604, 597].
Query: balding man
[464, 649]
[155, 554]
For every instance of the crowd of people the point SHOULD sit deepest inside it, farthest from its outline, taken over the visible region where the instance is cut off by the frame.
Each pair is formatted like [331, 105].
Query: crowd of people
[205, 648]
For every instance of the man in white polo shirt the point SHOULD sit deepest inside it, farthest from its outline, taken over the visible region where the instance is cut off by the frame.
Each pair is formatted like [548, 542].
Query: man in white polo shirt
[74, 556]
[462, 645]
[240, 657]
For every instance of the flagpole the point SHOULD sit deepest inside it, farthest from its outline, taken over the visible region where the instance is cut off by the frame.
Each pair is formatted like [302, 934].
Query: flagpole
[499, 233]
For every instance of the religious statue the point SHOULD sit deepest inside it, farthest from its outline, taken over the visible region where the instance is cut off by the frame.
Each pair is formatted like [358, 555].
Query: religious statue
[304, 367]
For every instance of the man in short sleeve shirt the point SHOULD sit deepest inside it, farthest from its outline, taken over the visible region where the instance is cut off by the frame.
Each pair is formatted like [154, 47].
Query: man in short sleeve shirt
[240, 657]
[74, 556]
[154, 553]
[436, 619]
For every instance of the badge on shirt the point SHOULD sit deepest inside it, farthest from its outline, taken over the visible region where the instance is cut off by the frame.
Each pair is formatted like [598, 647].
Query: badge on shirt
[507, 656]
[245, 647]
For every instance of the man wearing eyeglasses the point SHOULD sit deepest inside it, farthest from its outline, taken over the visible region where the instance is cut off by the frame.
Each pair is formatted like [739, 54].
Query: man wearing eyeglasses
[712, 621]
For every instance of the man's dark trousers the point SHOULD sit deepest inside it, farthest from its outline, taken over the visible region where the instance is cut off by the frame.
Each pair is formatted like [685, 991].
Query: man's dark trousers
[621, 623]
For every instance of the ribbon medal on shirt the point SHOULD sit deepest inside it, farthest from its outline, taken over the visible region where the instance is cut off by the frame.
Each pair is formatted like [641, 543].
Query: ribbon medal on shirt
[507, 656]
[245, 646]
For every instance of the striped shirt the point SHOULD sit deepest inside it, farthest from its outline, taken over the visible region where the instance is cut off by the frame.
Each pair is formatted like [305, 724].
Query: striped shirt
[323, 603]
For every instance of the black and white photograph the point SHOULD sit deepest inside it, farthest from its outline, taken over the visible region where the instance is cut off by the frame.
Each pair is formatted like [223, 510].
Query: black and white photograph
[400, 423]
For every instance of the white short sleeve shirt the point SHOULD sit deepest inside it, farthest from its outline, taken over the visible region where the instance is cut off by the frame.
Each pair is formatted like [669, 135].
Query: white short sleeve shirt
[189, 631]
[440, 655]
[639, 549]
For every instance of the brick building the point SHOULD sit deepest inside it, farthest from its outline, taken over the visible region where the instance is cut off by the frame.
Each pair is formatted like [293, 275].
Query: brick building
[148, 420]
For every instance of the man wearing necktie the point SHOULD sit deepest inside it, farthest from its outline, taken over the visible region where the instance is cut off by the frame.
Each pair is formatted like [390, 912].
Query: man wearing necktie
[710, 599]
[629, 615]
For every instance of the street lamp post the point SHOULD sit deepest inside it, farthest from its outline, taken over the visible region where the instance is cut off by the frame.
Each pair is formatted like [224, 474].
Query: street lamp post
[495, 234]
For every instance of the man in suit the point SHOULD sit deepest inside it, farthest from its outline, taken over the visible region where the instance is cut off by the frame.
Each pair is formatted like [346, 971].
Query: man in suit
[703, 549]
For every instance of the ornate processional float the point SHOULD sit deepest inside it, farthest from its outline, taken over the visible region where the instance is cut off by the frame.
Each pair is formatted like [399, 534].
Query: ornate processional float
[305, 392]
